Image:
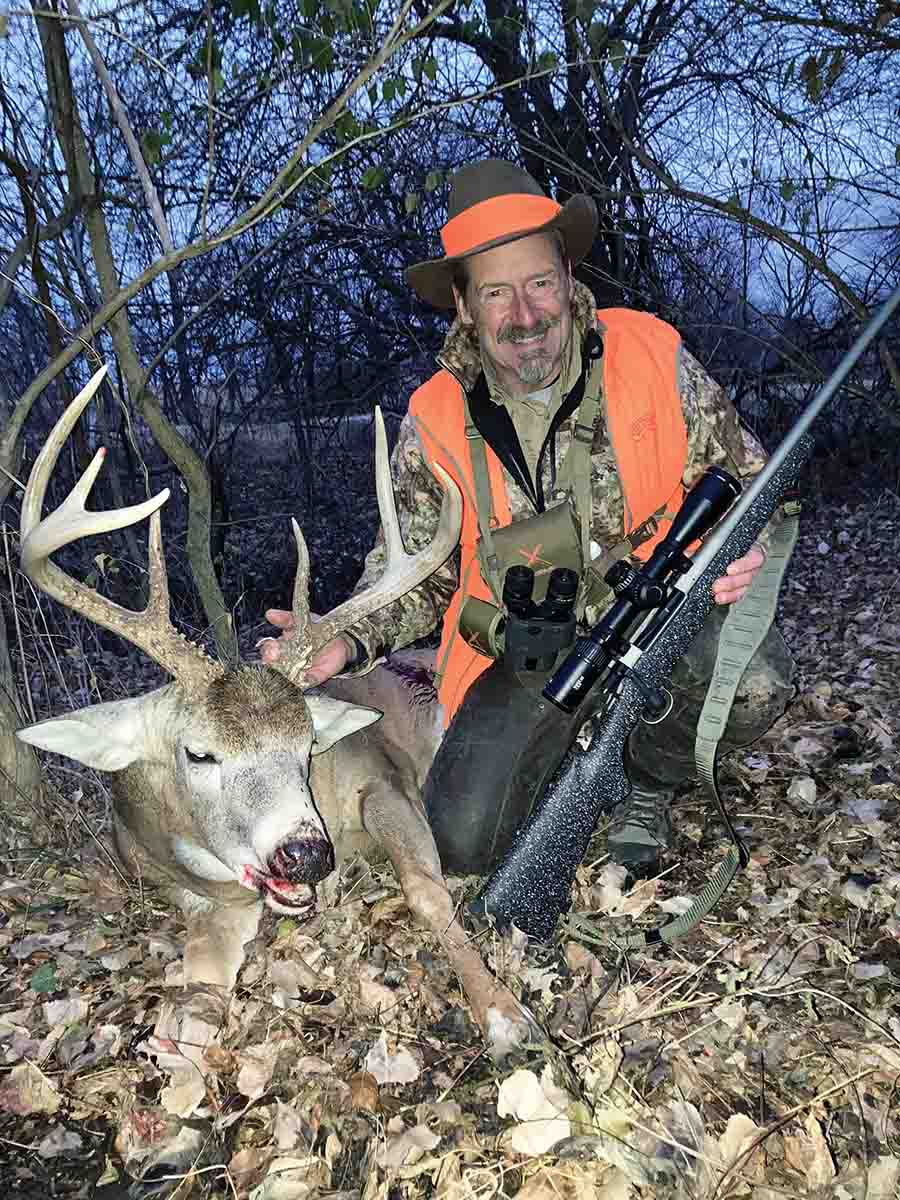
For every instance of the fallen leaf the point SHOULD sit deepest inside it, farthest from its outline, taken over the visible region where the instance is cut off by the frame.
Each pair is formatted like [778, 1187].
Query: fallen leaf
[539, 1105]
[605, 1060]
[293, 1179]
[287, 1126]
[866, 971]
[819, 1164]
[390, 1064]
[676, 905]
[123, 957]
[803, 789]
[883, 1177]
[44, 978]
[739, 1135]
[403, 1149]
[178, 1043]
[576, 1181]
[59, 1141]
[27, 1090]
[256, 1066]
[364, 1092]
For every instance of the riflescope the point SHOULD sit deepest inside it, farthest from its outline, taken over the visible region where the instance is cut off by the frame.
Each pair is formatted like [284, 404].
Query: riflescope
[640, 588]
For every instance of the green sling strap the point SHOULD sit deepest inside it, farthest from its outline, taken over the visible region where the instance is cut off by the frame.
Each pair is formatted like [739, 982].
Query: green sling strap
[742, 634]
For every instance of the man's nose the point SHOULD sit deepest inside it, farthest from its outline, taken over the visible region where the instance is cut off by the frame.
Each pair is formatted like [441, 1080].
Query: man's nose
[524, 311]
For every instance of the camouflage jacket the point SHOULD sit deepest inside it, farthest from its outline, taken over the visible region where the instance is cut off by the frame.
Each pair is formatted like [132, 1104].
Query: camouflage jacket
[715, 437]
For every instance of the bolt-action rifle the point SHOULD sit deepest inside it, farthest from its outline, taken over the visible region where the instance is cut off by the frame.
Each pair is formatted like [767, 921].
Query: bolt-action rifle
[658, 610]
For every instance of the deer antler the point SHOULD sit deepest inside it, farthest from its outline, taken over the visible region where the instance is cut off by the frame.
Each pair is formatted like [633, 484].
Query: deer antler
[150, 630]
[401, 574]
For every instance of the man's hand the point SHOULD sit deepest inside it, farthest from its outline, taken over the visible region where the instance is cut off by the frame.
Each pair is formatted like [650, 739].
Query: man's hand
[330, 660]
[738, 576]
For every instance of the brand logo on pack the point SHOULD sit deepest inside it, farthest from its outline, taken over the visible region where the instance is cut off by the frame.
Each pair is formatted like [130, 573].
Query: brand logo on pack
[533, 557]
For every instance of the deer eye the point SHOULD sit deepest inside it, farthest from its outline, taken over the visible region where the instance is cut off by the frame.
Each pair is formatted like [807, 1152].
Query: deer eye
[199, 757]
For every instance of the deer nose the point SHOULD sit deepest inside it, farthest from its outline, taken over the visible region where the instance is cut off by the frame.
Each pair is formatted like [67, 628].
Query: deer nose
[307, 860]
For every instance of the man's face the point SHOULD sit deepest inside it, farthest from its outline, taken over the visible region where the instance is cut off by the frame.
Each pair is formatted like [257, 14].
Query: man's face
[518, 300]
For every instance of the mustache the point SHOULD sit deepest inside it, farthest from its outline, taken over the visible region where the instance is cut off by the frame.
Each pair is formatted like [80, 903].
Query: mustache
[521, 333]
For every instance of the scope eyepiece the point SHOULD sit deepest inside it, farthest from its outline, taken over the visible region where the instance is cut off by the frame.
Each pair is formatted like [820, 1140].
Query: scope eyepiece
[576, 676]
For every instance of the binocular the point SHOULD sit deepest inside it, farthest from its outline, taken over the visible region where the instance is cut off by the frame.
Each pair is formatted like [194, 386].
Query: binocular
[535, 633]
[641, 589]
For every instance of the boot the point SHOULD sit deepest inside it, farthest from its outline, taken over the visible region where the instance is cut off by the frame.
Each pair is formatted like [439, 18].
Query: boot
[641, 826]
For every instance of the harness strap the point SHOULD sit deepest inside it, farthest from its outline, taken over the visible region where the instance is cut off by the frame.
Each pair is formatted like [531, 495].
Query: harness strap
[484, 502]
[742, 634]
[579, 456]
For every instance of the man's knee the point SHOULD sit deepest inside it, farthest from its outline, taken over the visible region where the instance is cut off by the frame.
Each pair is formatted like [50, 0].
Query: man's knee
[502, 744]
[664, 753]
[764, 691]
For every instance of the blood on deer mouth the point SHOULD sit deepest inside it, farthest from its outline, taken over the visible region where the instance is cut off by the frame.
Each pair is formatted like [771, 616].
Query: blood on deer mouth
[280, 894]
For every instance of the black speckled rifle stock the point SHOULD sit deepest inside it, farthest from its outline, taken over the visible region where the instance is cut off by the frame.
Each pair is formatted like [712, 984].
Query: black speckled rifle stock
[532, 885]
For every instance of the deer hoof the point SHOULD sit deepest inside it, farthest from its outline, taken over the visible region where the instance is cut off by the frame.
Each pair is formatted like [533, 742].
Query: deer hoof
[509, 1029]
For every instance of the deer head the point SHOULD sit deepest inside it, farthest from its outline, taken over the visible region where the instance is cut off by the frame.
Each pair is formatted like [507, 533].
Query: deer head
[211, 782]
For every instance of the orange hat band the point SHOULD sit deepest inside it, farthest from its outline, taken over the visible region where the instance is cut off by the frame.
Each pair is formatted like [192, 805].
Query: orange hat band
[501, 216]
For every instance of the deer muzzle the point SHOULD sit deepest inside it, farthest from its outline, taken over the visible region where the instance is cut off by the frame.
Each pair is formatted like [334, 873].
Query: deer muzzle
[304, 860]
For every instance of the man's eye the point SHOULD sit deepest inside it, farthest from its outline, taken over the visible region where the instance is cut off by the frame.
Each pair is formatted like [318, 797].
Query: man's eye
[201, 756]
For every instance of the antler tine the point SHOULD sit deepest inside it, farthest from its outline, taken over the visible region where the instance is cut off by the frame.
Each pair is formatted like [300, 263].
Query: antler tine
[402, 573]
[150, 630]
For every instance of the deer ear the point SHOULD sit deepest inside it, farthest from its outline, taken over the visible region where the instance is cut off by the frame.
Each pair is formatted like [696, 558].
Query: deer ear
[335, 719]
[106, 736]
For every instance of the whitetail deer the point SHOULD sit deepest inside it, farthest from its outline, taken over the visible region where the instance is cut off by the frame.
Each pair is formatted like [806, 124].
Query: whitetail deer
[234, 787]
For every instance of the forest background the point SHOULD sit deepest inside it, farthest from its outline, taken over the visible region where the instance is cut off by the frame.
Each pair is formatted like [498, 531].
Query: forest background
[220, 201]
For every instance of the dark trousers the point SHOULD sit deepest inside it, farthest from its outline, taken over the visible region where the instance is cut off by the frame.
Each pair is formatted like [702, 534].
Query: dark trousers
[506, 741]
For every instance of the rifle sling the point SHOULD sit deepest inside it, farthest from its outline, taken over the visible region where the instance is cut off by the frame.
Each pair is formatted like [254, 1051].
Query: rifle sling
[742, 634]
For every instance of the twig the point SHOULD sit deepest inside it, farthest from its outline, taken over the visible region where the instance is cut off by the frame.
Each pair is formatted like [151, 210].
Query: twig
[9, 475]
[136, 48]
[150, 193]
[447, 1090]
[210, 126]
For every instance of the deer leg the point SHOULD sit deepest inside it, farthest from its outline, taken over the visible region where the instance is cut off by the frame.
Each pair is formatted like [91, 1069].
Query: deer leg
[187, 1025]
[216, 936]
[400, 827]
[179, 1141]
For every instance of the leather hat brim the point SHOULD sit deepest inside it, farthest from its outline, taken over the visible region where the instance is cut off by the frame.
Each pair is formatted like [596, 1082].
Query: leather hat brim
[576, 221]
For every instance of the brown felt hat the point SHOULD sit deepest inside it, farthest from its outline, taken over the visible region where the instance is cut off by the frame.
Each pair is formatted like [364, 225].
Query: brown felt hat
[493, 202]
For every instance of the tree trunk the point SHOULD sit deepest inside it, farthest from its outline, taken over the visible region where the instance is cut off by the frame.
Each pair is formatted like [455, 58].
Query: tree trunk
[20, 771]
[70, 135]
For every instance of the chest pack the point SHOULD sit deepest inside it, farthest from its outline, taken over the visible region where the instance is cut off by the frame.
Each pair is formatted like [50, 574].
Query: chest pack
[554, 539]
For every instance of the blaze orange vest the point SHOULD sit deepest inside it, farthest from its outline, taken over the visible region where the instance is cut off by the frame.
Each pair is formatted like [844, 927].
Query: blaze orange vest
[647, 432]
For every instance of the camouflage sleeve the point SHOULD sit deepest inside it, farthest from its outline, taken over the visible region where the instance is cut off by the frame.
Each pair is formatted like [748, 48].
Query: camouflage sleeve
[716, 436]
[419, 612]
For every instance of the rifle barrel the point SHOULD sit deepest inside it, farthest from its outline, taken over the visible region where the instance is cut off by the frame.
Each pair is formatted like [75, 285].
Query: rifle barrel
[710, 545]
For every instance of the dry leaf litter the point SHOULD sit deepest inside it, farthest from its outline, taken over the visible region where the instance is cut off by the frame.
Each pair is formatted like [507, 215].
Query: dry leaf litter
[759, 1057]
